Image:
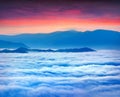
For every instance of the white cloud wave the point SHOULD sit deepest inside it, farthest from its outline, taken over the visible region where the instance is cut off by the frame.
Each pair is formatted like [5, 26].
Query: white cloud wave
[88, 74]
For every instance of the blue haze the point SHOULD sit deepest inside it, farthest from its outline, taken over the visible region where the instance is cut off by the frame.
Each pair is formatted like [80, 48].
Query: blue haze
[8, 44]
[98, 39]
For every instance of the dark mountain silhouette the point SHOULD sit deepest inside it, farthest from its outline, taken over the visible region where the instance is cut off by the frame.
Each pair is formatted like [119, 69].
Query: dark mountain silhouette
[85, 49]
[26, 50]
[21, 50]
[8, 44]
[6, 51]
[41, 50]
[18, 50]
[103, 39]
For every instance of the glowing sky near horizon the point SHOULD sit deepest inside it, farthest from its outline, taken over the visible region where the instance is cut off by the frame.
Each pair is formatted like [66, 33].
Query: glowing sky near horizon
[38, 16]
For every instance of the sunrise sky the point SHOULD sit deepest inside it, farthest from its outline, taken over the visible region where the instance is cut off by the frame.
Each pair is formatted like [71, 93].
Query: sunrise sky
[45, 16]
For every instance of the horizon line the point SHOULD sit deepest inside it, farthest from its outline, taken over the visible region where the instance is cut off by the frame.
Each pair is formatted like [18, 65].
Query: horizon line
[61, 32]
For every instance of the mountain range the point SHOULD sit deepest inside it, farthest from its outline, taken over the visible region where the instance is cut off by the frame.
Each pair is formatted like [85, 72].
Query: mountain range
[8, 44]
[99, 39]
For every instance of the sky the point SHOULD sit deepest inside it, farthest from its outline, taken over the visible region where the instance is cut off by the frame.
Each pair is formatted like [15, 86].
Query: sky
[45, 16]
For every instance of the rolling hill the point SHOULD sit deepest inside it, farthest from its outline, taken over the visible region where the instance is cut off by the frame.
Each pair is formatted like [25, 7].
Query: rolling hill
[100, 39]
[8, 44]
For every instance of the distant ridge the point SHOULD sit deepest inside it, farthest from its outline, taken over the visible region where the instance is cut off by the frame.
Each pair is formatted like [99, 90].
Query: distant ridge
[8, 44]
[99, 39]
[85, 49]
[26, 50]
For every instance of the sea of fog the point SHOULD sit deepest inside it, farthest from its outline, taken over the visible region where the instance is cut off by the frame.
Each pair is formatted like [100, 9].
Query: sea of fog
[54, 74]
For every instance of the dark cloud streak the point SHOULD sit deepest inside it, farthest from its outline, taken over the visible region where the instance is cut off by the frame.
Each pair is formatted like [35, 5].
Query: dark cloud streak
[11, 9]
